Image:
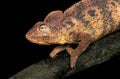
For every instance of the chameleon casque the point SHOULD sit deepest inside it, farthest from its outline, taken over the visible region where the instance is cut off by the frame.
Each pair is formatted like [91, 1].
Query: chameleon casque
[83, 23]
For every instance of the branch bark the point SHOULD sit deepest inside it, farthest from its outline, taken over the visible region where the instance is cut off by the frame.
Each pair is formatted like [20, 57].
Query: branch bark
[98, 52]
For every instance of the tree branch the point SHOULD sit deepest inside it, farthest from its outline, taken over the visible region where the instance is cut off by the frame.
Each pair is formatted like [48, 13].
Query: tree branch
[59, 68]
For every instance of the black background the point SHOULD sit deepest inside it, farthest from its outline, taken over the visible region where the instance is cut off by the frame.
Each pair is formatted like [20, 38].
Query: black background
[17, 53]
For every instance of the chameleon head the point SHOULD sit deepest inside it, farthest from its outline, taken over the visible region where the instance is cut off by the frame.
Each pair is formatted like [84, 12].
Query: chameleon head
[42, 34]
[47, 32]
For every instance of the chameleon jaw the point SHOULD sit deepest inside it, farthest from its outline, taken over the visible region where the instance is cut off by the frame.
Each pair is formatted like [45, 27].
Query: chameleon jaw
[38, 42]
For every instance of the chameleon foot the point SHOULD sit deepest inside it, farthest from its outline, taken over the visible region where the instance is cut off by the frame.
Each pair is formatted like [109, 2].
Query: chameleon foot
[57, 50]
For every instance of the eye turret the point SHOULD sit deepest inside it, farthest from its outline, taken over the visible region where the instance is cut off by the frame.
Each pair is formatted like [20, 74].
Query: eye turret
[44, 28]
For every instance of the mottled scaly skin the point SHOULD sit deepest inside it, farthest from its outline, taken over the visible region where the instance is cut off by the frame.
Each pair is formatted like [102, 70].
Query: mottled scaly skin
[84, 22]
[95, 17]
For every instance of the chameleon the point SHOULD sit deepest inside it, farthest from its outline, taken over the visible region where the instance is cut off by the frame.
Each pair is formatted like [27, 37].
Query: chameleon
[82, 23]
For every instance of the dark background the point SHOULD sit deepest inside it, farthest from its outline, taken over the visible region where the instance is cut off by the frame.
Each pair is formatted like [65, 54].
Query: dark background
[17, 53]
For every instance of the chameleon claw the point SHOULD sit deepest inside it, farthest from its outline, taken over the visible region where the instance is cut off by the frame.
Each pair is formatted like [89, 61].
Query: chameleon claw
[55, 56]
[52, 56]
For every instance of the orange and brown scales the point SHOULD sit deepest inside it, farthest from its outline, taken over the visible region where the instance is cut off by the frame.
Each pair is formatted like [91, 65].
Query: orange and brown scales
[95, 17]
[84, 22]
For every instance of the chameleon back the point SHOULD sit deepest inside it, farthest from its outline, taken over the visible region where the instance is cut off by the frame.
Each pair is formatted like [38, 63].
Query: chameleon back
[95, 17]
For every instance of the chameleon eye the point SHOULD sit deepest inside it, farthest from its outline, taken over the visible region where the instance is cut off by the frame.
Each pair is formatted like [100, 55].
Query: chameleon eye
[44, 28]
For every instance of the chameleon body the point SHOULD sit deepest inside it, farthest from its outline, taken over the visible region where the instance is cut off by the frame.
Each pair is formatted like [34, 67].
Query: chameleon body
[83, 23]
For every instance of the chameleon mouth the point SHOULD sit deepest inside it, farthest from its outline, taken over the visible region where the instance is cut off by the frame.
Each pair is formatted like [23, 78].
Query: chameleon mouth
[51, 38]
[36, 39]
